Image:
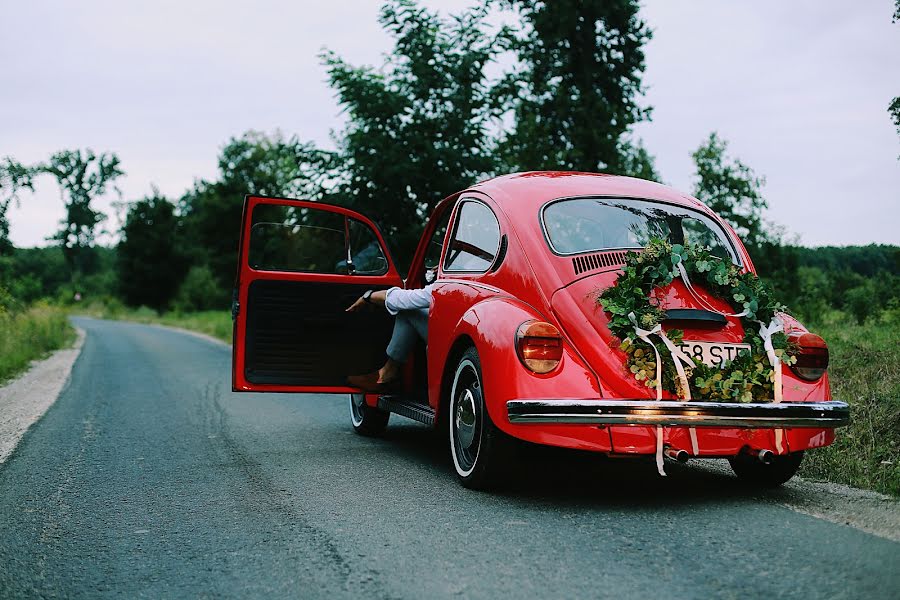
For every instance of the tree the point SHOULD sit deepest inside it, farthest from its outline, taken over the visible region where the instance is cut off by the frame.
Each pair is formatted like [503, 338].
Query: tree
[14, 176]
[420, 127]
[200, 291]
[894, 107]
[82, 176]
[636, 161]
[731, 189]
[894, 111]
[150, 259]
[575, 95]
[862, 301]
[253, 163]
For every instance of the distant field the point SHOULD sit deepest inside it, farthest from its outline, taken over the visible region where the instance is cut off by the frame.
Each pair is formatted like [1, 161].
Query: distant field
[864, 371]
[31, 334]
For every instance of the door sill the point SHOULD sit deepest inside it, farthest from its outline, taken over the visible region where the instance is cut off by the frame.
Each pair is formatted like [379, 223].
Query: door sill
[406, 406]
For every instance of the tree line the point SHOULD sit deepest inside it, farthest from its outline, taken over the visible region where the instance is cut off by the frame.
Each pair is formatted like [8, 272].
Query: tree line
[460, 98]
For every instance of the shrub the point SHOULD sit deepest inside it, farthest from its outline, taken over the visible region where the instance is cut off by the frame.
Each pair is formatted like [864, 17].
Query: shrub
[862, 301]
[200, 292]
[28, 334]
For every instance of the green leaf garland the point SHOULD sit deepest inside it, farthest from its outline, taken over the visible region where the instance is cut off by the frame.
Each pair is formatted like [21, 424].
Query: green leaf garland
[747, 378]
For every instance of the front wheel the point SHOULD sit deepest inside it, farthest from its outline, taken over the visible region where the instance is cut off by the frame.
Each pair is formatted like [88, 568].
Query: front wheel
[751, 470]
[479, 450]
[365, 419]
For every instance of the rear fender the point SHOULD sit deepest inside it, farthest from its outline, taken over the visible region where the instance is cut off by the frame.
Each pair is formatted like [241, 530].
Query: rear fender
[491, 327]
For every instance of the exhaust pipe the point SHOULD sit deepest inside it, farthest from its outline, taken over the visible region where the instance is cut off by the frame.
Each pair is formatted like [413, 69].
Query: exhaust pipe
[766, 457]
[675, 454]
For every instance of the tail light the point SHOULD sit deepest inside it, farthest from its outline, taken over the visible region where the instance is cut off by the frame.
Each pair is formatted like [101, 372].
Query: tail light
[539, 346]
[812, 356]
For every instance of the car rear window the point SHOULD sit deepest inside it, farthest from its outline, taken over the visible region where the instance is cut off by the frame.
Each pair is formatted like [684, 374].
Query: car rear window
[591, 224]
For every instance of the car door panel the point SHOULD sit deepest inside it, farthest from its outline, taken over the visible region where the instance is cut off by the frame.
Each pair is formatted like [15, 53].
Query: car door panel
[292, 332]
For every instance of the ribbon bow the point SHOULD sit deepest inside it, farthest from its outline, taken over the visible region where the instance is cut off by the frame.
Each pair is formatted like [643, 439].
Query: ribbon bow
[680, 359]
[700, 299]
[766, 332]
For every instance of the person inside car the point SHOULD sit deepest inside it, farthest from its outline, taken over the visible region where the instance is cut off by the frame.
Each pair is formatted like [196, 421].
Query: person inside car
[410, 309]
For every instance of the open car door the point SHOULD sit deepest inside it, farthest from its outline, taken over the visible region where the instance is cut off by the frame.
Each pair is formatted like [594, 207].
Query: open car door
[301, 264]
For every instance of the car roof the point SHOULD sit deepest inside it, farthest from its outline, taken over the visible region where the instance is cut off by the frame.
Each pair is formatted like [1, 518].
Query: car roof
[526, 192]
[520, 197]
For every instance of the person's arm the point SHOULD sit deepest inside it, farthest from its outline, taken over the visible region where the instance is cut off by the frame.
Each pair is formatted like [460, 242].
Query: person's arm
[396, 299]
[375, 298]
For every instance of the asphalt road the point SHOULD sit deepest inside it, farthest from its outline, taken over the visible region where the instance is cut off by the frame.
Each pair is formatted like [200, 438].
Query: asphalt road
[149, 478]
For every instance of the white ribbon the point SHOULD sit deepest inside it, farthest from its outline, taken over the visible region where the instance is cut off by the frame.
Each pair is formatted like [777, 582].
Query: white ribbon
[700, 299]
[659, 451]
[765, 332]
[678, 357]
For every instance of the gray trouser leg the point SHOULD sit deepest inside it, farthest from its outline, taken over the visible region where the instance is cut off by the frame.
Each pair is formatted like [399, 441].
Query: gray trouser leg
[409, 325]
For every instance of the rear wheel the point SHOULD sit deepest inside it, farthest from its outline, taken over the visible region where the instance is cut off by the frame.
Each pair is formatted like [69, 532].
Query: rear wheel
[479, 450]
[365, 419]
[753, 471]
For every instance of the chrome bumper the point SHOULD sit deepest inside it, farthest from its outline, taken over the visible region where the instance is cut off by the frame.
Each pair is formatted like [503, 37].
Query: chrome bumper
[674, 413]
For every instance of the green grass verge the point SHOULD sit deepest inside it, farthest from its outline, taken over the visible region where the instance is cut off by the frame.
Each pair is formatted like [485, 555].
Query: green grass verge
[30, 334]
[216, 323]
[865, 372]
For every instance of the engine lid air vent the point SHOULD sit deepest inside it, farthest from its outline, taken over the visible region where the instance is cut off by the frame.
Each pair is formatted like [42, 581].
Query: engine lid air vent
[602, 260]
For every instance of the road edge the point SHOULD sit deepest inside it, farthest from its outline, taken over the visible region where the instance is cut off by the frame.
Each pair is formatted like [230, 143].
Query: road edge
[198, 334]
[25, 399]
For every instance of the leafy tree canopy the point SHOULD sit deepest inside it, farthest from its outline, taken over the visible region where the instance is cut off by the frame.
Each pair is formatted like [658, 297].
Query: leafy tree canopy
[419, 127]
[82, 176]
[731, 189]
[151, 258]
[576, 93]
[14, 176]
[253, 163]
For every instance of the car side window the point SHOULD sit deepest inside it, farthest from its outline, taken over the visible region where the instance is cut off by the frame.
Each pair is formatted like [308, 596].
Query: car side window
[476, 239]
[284, 238]
[436, 243]
[365, 252]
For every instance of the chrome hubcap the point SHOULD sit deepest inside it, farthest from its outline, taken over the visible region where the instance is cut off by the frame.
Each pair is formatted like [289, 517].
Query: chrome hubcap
[357, 401]
[465, 419]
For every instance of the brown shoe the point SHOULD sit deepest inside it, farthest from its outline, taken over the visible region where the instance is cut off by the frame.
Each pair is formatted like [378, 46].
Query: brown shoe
[367, 382]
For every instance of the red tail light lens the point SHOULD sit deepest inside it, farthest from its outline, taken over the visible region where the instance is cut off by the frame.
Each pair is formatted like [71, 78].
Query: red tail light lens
[539, 346]
[812, 356]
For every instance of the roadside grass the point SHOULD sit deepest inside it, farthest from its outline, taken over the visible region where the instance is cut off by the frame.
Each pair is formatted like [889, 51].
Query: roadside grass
[865, 372]
[216, 323]
[28, 334]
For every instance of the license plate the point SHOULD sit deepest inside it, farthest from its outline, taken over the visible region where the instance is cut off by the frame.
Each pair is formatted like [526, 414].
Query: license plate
[714, 354]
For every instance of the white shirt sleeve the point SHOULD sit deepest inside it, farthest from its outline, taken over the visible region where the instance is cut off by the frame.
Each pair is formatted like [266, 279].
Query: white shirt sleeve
[398, 299]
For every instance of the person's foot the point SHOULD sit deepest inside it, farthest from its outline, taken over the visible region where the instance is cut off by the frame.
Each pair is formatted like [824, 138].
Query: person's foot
[389, 373]
[377, 381]
[368, 382]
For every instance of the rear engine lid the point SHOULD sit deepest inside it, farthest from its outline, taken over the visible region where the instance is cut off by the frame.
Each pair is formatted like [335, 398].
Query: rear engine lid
[709, 336]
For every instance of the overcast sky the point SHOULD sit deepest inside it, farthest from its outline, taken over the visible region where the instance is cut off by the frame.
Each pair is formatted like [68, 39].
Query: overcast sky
[799, 89]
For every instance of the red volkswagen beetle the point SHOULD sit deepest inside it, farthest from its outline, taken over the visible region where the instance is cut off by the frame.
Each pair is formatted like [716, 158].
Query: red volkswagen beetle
[518, 347]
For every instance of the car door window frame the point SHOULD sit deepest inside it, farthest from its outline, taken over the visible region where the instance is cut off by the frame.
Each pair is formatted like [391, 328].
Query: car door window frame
[457, 218]
[347, 250]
